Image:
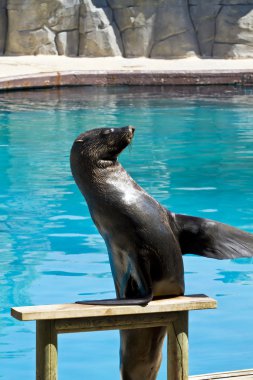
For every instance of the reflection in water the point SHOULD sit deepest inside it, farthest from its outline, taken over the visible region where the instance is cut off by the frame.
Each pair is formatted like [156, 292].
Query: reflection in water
[235, 277]
[193, 154]
[62, 273]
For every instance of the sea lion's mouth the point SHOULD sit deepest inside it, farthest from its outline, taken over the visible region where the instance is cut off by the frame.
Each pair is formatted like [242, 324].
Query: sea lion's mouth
[130, 134]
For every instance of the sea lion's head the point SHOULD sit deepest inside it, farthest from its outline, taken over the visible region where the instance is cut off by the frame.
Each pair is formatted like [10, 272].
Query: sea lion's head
[100, 146]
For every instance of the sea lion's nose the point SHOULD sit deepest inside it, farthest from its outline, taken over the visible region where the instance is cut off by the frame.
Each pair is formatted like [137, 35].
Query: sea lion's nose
[131, 129]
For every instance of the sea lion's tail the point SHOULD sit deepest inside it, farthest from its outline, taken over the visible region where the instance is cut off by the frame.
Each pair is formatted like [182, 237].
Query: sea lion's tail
[209, 238]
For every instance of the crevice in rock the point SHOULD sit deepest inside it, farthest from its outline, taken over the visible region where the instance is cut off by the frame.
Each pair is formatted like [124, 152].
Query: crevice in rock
[171, 36]
[215, 30]
[56, 44]
[193, 26]
[3, 29]
[79, 27]
[120, 42]
[233, 5]
[34, 29]
[65, 30]
[233, 43]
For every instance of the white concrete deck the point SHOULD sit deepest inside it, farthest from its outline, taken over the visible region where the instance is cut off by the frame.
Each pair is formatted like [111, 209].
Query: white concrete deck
[25, 65]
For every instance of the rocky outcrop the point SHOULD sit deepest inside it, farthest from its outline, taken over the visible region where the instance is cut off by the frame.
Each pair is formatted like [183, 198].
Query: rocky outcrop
[150, 29]
[131, 28]
[135, 20]
[174, 34]
[204, 14]
[234, 32]
[224, 28]
[48, 27]
[99, 35]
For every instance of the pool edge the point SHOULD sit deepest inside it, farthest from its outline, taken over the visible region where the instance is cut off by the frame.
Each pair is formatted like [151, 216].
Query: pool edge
[130, 78]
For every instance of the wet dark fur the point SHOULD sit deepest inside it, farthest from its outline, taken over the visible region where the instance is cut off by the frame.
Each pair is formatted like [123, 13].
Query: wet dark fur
[145, 241]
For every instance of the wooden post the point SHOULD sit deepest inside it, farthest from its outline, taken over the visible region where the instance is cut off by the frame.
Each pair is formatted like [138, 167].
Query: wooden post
[178, 348]
[46, 350]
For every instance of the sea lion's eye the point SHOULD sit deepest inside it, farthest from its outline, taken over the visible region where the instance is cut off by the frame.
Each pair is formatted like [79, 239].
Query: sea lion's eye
[107, 131]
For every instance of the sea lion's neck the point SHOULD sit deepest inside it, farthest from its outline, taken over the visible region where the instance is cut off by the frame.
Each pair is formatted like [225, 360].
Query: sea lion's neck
[97, 179]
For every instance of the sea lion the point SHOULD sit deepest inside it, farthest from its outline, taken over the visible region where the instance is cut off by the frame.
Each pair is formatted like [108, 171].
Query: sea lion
[145, 241]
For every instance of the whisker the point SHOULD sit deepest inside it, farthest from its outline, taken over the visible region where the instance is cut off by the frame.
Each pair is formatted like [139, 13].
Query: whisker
[130, 146]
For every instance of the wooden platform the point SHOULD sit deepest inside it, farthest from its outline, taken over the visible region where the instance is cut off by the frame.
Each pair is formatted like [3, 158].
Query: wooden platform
[234, 375]
[172, 313]
[52, 320]
[73, 310]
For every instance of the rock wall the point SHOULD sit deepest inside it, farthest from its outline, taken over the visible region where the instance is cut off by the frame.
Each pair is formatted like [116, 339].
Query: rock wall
[224, 28]
[130, 28]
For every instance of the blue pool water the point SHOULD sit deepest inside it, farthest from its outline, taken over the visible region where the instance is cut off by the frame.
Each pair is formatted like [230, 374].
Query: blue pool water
[193, 152]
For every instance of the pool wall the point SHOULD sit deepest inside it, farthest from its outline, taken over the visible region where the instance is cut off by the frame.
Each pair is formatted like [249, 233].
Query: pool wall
[129, 28]
[137, 78]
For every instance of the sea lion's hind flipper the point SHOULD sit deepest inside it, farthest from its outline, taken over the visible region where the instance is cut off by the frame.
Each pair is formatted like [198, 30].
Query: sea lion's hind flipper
[119, 301]
[209, 238]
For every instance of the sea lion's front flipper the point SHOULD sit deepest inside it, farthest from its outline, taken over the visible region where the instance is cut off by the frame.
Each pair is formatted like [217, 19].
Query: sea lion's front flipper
[209, 238]
[119, 301]
[132, 281]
